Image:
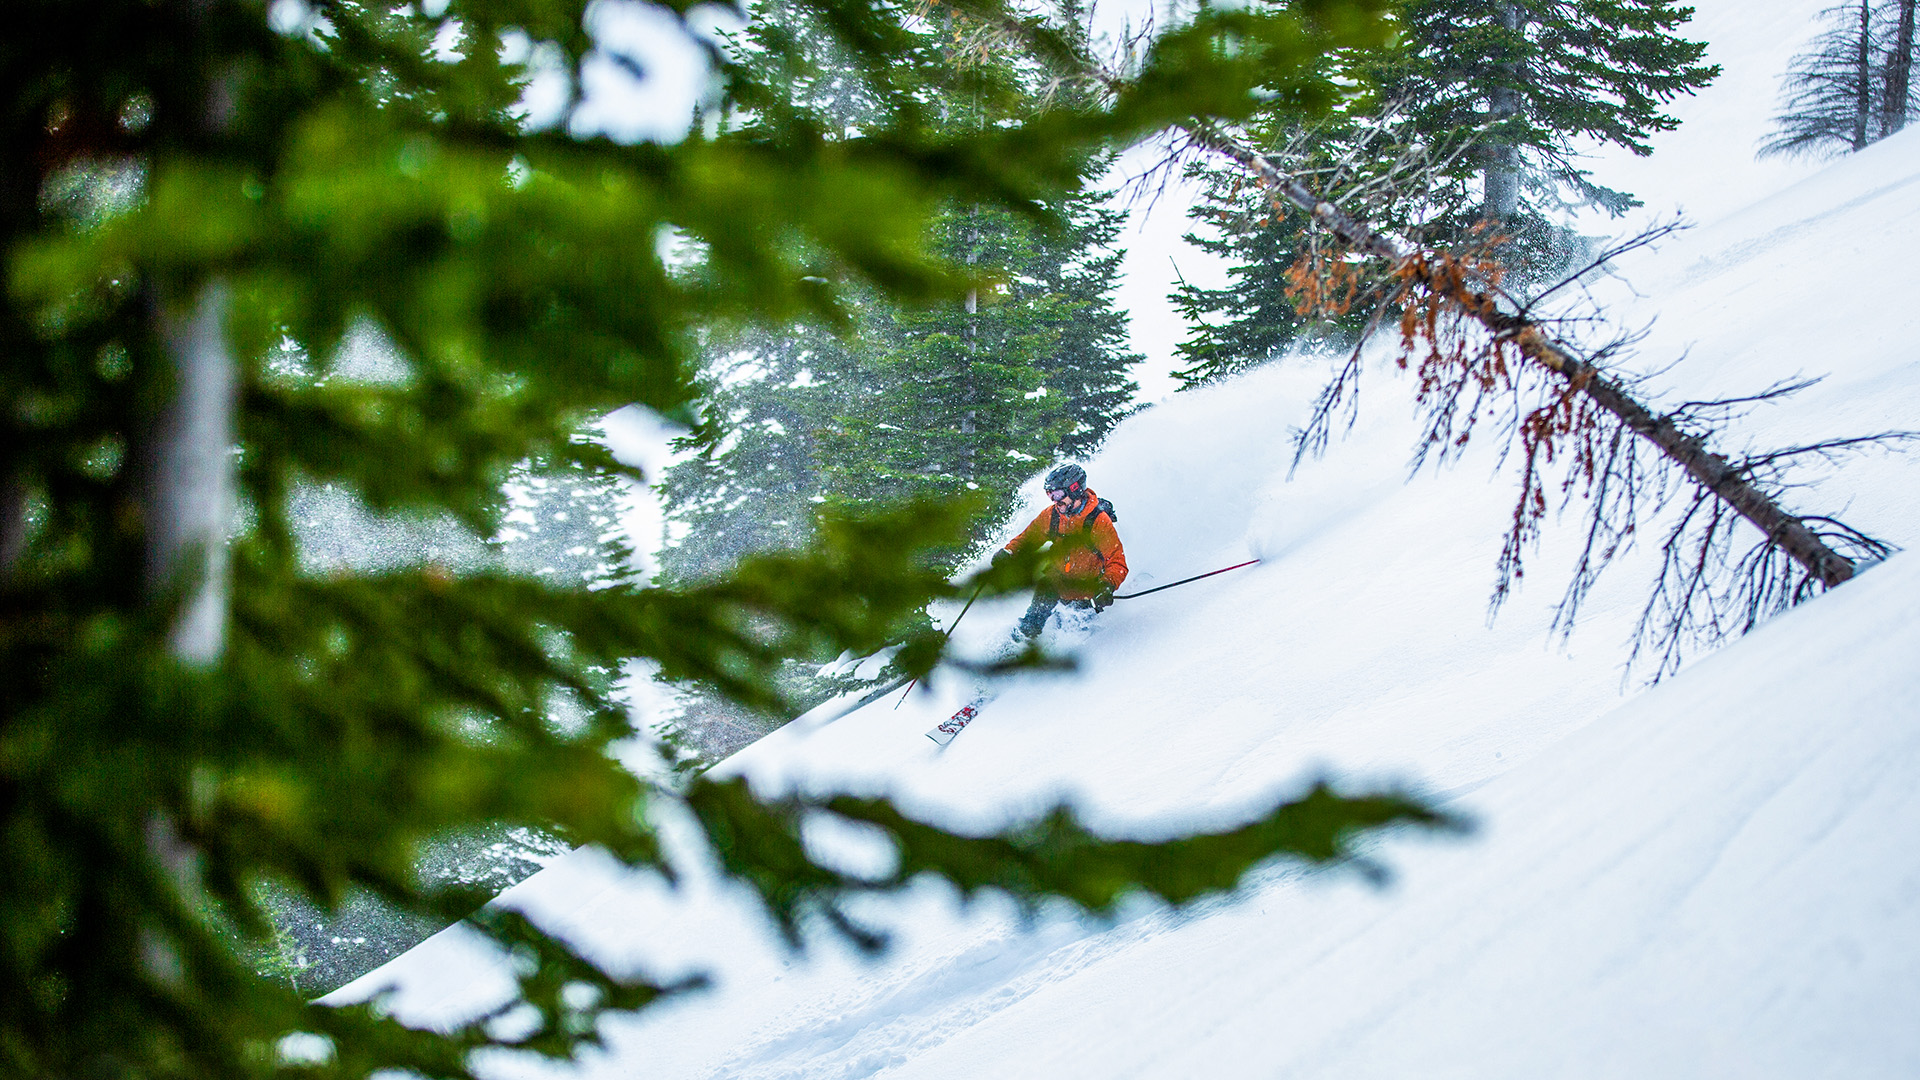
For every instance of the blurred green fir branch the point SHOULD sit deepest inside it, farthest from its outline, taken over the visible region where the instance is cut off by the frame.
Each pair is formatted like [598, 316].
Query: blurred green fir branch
[334, 165]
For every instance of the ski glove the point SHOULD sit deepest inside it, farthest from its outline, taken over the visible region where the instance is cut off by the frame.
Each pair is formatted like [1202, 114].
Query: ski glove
[1103, 601]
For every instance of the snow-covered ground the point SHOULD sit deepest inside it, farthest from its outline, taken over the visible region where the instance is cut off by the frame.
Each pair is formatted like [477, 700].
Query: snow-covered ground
[1714, 878]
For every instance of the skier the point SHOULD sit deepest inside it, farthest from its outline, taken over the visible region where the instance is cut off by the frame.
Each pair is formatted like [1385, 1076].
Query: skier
[1082, 564]
[1086, 562]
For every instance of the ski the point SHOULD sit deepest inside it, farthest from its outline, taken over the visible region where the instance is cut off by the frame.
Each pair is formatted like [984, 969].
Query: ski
[955, 724]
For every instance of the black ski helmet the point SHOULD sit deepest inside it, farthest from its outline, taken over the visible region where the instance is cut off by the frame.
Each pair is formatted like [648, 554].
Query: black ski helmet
[1069, 478]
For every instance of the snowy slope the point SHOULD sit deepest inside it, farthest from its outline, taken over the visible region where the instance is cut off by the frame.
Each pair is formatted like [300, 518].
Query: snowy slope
[1717, 880]
[1713, 878]
[1705, 168]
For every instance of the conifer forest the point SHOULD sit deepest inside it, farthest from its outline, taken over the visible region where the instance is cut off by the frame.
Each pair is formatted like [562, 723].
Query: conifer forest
[442, 442]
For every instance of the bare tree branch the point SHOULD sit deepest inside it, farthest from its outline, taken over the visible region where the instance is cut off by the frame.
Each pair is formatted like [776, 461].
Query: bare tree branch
[1310, 440]
[1640, 240]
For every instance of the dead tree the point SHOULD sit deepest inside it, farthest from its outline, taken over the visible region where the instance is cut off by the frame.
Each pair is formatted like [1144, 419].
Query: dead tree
[1894, 99]
[1468, 342]
[1850, 86]
[1438, 283]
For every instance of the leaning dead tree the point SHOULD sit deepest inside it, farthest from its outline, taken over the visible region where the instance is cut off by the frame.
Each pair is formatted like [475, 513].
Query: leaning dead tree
[1452, 281]
[1585, 412]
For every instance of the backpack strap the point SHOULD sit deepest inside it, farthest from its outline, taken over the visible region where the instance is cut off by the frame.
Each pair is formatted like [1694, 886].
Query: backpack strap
[1104, 507]
[1101, 507]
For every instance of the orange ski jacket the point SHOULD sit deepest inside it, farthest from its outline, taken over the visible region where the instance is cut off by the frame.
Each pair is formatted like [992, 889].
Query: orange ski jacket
[1086, 556]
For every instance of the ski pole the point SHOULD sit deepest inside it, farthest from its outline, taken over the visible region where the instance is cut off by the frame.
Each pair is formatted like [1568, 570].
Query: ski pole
[943, 641]
[1182, 581]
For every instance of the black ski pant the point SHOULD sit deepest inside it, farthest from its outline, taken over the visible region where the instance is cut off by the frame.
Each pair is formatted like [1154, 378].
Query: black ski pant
[1044, 601]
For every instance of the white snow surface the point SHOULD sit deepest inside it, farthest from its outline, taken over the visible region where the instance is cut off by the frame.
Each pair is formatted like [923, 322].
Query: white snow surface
[1716, 877]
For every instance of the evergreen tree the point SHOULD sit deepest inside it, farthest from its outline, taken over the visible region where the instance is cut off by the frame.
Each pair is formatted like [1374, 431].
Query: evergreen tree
[964, 399]
[1255, 317]
[189, 714]
[751, 480]
[1851, 86]
[1089, 367]
[914, 401]
[1472, 130]
[972, 398]
[1524, 82]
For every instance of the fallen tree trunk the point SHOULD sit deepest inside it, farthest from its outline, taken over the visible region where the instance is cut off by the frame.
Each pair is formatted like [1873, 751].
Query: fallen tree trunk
[1710, 470]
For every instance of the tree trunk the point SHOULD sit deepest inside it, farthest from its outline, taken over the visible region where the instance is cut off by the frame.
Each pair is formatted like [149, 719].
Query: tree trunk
[1893, 105]
[969, 421]
[1501, 178]
[189, 482]
[1710, 470]
[13, 525]
[1863, 77]
[187, 503]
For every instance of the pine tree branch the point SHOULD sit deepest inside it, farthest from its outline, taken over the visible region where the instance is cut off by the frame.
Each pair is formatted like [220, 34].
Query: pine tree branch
[762, 842]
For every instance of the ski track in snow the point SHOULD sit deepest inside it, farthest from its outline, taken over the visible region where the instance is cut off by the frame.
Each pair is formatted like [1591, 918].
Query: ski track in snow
[1716, 878]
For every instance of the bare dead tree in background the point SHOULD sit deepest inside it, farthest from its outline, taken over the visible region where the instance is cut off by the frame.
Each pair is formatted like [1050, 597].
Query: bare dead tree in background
[1896, 99]
[1850, 86]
